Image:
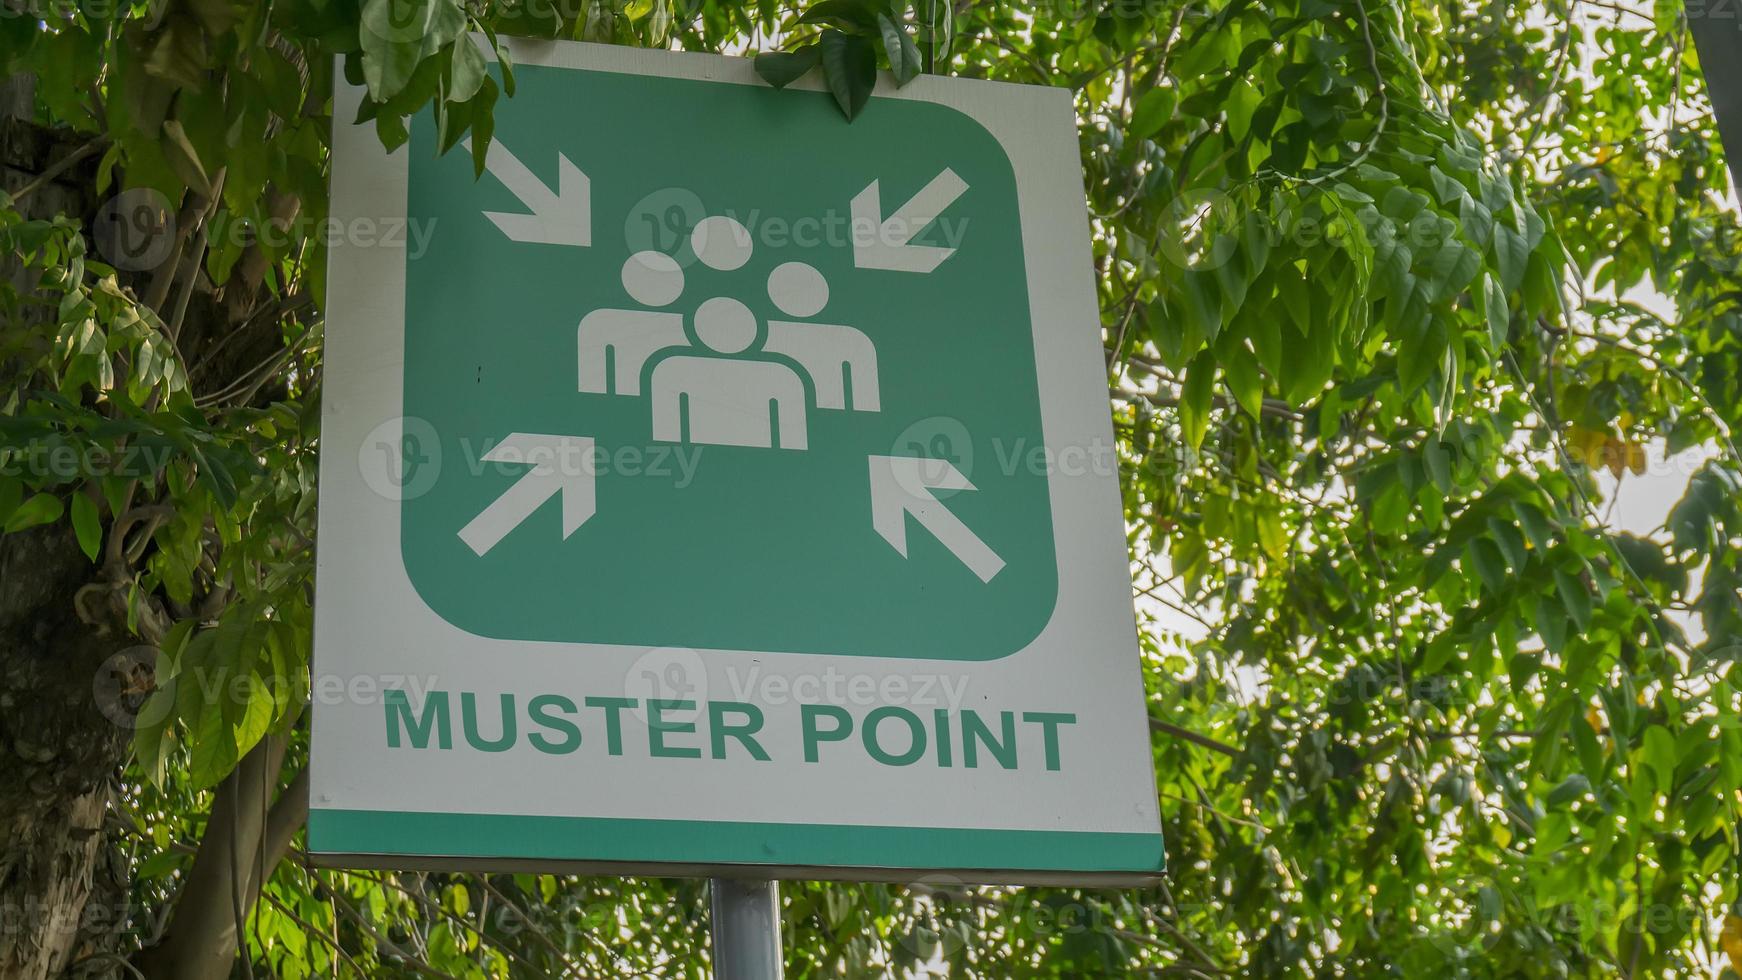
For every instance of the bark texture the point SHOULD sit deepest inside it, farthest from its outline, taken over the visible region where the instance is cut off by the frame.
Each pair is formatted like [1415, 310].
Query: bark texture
[62, 887]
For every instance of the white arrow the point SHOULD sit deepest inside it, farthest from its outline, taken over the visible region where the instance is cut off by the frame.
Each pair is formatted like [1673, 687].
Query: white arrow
[560, 465]
[899, 487]
[883, 243]
[563, 217]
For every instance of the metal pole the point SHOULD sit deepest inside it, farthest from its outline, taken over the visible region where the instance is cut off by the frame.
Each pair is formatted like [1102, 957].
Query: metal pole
[746, 929]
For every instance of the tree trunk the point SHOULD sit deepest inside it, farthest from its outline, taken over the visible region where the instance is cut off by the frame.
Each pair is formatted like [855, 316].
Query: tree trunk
[62, 892]
[247, 834]
[63, 887]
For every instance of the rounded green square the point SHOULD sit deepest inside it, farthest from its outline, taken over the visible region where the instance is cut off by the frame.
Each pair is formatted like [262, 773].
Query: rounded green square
[718, 546]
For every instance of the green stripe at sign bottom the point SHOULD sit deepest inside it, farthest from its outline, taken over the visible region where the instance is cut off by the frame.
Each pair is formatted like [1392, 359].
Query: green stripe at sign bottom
[606, 839]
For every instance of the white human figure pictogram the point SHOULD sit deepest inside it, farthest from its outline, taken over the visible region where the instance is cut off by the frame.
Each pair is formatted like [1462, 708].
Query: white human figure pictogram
[725, 401]
[838, 359]
[614, 344]
[732, 392]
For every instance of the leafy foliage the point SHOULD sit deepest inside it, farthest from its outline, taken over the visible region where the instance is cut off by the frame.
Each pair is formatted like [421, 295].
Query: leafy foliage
[1376, 286]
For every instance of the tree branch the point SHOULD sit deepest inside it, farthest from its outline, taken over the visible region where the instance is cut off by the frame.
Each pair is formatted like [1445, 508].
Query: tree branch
[1157, 725]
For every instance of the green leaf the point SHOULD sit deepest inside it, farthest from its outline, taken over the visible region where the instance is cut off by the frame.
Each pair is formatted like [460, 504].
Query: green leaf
[1203, 302]
[1244, 380]
[397, 35]
[1490, 564]
[256, 714]
[849, 14]
[1195, 398]
[1494, 310]
[86, 527]
[782, 68]
[211, 739]
[1418, 352]
[1574, 597]
[390, 129]
[483, 125]
[1658, 748]
[1551, 623]
[1570, 789]
[1511, 256]
[1310, 364]
[1645, 558]
[1390, 511]
[1153, 110]
[452, 121]
[850, 68]
[466, 71]
[1452, 268]
[185, 160]
[904, 60]
[1439, 464]
[41, 508]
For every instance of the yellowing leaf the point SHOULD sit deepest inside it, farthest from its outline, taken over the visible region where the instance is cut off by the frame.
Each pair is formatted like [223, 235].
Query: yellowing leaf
[1731, 941]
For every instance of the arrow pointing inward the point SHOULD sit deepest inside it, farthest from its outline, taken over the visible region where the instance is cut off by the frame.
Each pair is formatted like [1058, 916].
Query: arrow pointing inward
[563, 217]
[899, 486]
[560, 465]
[882, 243]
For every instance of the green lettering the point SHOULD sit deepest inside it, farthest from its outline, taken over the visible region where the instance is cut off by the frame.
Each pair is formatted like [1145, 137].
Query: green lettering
[1049, 722]
[808, 715]
[658, 727]
[613, 723]
[915, 742]
[975, 734]
[941, 720]
[571, 732]
[469, 722]
[397, 704]
[719, 729]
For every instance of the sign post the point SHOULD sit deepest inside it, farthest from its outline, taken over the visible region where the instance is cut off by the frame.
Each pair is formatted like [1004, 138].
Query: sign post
[714, 487]
[746, 929]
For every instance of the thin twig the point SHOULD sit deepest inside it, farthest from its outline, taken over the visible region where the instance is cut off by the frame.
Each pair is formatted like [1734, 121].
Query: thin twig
[1156, 724]
[59, 167]
[314, 930]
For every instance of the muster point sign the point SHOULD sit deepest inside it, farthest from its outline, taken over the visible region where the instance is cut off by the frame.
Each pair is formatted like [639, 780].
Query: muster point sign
[715, 483]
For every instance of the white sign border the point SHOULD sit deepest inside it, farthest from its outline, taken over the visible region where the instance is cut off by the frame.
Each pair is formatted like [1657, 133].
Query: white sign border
[364, 397]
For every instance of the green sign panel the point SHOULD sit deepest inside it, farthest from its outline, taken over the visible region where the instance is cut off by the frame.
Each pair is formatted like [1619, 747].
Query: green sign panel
[752, 367]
